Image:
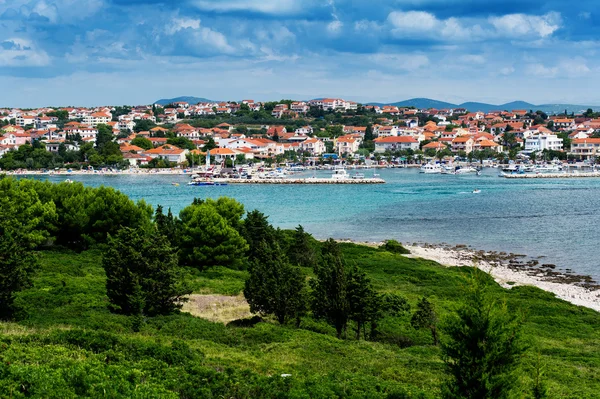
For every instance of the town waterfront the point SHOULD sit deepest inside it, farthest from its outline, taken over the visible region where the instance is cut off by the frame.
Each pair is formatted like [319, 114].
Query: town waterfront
[553, 218]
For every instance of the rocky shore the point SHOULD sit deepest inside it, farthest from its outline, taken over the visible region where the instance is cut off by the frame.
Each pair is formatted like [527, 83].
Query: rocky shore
[511, 270]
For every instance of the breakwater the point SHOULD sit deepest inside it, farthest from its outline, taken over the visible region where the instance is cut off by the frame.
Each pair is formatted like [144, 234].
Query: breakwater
[309, 180]
[551, 175]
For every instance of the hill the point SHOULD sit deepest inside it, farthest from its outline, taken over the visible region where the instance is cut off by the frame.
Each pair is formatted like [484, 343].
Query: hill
[427, 103]
[187, 99]
[70, 345]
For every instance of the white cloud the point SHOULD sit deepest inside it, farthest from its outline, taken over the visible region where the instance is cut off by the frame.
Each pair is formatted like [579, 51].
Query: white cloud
[178, 24]
[566, 68]
[365, 25]
[509, 70]
[199, 35]
[412, 21]
[275, 7]
[18, 52]
[335, 26]
[585, 15]
[541, 70]
[522, 24]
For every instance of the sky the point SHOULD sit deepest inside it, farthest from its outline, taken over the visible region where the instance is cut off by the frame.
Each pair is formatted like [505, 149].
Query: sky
[101, 52]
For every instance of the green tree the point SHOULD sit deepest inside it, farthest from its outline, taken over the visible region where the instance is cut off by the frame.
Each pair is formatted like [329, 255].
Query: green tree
[210, 144]
[181, 142]
[17, 264]
[483, 347]
[425, 317]
[365, 303]
[105, 135]
[257, 229]
[166, 225]
[230, 209]
[330, 288]
[274, 286]
[207, 239]
[302, 249]
[141, 274]
[142, 142]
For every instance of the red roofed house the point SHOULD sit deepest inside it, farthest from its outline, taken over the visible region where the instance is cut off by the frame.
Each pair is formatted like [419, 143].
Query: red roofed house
[395, 143]
[168, 152]
[585, 148]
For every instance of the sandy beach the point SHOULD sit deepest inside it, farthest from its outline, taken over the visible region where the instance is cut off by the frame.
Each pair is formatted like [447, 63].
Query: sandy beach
[511, 270]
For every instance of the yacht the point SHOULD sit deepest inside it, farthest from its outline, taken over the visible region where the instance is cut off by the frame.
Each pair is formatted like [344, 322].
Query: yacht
[339, 174]
[429, 168]
[467, 169]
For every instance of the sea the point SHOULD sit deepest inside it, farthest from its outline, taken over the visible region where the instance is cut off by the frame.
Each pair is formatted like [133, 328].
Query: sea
[557, 220]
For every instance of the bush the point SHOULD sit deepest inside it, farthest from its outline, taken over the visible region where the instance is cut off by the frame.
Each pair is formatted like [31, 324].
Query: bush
[395, 247]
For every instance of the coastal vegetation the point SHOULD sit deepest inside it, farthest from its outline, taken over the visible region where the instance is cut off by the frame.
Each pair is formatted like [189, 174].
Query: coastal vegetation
[100, 280]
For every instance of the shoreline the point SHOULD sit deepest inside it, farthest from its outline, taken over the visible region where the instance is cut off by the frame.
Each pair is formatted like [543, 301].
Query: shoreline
[510, 270]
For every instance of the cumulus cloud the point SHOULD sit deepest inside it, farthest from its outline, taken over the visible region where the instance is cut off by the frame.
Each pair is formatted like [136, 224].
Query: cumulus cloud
[421, 23]
[522, 25]
[18, 52]
[198, 35]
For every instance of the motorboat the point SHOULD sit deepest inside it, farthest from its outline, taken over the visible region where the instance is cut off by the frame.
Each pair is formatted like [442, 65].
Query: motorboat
[430, 168]
[339, 174]
[468, 169]
[358, 176]
[476, 191]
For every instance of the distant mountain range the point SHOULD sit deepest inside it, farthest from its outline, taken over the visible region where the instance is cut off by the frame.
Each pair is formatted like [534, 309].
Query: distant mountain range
[187, 99]
[425, 103]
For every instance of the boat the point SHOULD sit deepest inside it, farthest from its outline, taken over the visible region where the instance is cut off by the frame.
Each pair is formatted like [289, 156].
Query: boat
[476, 191]
[175, 184]
[358, 176]
[468, 169]
[339, 173]
[69, 181]
[429, 168]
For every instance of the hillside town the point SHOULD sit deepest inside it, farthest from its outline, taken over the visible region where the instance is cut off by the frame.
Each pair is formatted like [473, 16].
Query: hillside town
[179, 134]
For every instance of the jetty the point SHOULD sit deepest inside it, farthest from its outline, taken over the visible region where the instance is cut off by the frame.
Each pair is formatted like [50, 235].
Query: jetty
[563, 175]
[308, 180]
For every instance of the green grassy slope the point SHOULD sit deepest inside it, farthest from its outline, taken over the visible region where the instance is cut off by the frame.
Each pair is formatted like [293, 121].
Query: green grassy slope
[69, 345]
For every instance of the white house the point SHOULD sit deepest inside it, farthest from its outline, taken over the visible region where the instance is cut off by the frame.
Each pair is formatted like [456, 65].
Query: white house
[543, 142]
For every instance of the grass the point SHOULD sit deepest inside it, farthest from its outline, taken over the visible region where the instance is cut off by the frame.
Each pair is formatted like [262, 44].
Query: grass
[69, 345]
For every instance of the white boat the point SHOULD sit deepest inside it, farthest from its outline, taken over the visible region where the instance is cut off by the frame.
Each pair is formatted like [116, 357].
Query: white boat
[339, 174]
[476, 191]
[358, 176]
[429, 168]
[467, 169]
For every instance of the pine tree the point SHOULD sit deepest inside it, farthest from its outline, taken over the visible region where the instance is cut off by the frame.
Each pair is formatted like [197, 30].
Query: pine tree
[302, 252]
[166, 224]
[141, 274]
[330, 288]
[257, 229]
[425, 317]
[365, 303]
[484, 346]
[275, 287]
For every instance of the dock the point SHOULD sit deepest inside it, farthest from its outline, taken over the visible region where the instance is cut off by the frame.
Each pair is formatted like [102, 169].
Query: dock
[309, 180]
[563, 175]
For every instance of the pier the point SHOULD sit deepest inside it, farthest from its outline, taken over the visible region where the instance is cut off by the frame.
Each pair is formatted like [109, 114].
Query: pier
[309, 180]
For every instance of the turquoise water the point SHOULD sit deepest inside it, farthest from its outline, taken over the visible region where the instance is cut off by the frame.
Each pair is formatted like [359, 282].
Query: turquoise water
[555, 218]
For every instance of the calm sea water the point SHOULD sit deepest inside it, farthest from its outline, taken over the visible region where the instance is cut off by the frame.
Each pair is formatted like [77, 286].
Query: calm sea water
[555, 218]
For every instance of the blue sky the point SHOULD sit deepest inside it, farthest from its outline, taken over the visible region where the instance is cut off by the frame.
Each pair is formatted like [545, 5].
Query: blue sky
[94, 52]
